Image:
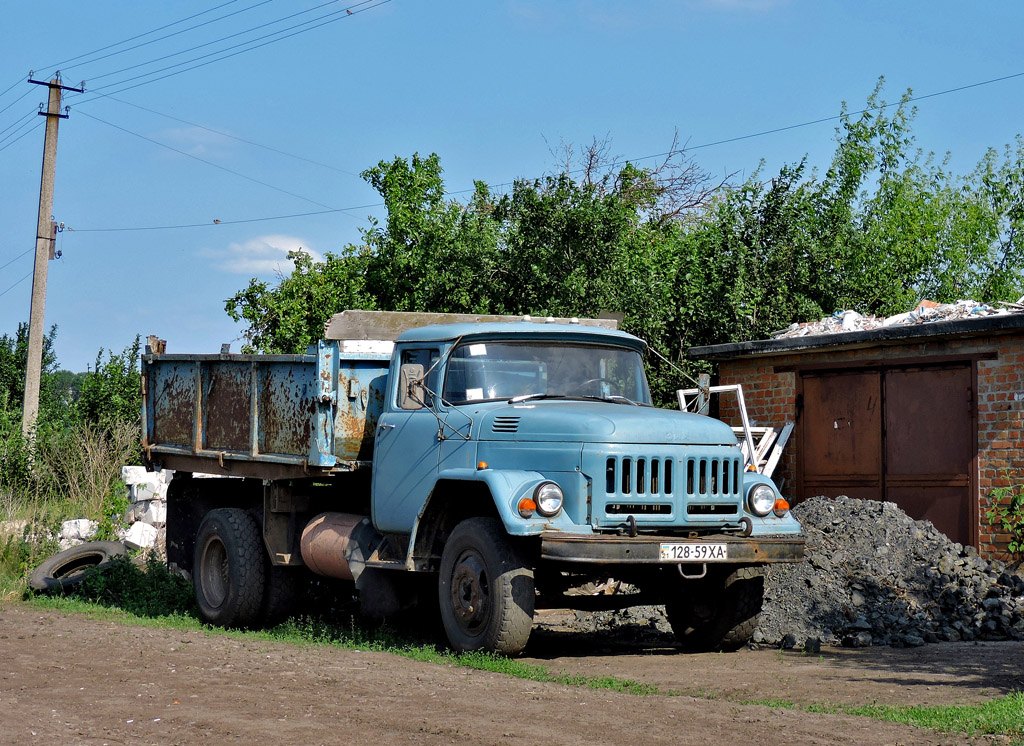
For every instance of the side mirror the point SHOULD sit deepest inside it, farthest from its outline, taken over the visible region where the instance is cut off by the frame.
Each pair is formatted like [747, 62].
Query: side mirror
[411, 393]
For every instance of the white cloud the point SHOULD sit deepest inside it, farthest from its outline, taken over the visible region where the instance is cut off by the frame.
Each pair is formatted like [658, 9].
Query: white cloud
[263, 255]
[196, 141]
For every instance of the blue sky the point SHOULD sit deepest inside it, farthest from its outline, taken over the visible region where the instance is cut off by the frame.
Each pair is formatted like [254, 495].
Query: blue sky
[492, 87]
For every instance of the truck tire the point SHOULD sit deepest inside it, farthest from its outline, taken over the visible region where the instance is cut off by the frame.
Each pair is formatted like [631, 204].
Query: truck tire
[67, 569]
[485, 589]
[228, 568]
[719, 615]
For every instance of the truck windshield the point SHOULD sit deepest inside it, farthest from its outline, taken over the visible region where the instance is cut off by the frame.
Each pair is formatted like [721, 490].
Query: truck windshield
[486, 371]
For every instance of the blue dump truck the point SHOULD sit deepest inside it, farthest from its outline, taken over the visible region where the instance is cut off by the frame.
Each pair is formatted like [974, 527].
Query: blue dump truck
[482, 469]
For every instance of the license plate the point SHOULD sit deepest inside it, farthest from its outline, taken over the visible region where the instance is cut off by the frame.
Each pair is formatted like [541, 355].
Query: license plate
[694, 552]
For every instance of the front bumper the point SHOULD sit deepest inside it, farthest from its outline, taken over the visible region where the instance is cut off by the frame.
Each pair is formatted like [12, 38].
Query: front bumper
[646, 550]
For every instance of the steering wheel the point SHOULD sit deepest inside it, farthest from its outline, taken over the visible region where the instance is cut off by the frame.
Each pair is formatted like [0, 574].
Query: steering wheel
[579, 389]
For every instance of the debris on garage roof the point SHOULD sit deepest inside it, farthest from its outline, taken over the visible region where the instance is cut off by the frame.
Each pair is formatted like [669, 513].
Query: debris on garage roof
[926, 312]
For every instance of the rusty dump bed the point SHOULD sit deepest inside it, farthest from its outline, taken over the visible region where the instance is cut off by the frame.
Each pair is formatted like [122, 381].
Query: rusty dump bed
[268, 416]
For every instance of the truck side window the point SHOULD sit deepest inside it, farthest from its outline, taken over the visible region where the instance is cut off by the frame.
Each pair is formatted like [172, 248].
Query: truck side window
[426, 358]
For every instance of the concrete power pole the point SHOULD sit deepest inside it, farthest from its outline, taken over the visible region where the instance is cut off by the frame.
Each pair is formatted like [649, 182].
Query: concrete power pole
[44, 252]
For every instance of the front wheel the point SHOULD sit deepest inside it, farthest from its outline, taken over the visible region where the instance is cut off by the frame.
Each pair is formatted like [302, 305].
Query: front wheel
[485, 589]
[718, 614]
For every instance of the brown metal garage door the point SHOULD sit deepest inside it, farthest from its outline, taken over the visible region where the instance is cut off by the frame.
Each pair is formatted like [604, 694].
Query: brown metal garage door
[904, 434]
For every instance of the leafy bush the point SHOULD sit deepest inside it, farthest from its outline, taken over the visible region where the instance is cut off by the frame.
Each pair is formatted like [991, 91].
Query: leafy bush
[1006, 512]
[149, 591]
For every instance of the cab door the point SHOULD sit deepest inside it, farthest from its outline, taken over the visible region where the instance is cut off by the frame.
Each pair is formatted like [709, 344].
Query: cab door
[405, 455]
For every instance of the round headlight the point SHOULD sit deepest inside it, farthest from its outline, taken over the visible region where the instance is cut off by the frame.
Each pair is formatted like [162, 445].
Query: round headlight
[761, 499]
[548, 497]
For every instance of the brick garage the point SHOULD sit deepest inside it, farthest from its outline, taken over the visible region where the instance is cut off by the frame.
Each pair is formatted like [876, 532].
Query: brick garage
[929, 416]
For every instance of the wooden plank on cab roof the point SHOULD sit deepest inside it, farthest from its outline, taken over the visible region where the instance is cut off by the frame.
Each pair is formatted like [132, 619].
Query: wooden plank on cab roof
[388, 325]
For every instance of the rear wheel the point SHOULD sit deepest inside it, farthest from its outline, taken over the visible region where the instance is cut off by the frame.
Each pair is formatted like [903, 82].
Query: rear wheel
[717, 613]
[485, 589]
[228, 569]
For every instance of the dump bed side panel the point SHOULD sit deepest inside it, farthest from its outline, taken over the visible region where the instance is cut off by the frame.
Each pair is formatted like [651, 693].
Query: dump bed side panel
[316, 412]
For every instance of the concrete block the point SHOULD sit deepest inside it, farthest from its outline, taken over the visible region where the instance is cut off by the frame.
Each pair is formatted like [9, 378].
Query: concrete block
[155, 489]
[153, 512]
[140, 536]
[134, 474]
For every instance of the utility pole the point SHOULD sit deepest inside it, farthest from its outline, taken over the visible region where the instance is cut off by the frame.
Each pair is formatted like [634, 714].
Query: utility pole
[45, 238]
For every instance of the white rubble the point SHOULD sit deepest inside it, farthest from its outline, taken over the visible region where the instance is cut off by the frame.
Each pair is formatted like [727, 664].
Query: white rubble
[926, 312]
[140, 536]
[75, 532]
[147, 512]
[153, 512]
[13, 528]
[146, 485]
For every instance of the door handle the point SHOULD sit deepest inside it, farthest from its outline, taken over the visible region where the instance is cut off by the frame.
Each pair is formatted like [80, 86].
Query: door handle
[383, 426]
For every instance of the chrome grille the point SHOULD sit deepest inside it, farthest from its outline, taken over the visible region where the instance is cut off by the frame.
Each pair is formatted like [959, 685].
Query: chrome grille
[702, 487]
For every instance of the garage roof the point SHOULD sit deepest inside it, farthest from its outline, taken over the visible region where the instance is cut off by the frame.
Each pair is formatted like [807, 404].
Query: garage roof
[892, 335]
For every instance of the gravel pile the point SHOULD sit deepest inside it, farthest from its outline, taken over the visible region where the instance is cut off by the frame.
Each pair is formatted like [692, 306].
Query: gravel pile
[871, 576]
[874, 576]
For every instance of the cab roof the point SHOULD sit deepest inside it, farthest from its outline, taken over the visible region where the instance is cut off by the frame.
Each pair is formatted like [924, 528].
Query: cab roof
[522, 330]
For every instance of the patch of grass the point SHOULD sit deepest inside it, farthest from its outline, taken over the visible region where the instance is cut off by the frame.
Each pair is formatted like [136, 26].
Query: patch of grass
[1003, 716]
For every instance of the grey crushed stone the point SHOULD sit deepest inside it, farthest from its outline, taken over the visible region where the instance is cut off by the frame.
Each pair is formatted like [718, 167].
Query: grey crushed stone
[871, 576]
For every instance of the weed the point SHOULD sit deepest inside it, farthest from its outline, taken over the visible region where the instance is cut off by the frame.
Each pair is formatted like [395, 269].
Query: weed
[1006, 511]
[149, 591]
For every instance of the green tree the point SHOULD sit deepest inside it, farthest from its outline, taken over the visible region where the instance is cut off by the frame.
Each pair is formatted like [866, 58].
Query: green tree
[112, 393]
[686, 260]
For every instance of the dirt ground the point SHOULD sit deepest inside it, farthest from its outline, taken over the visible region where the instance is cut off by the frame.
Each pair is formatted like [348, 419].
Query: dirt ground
[68, 679]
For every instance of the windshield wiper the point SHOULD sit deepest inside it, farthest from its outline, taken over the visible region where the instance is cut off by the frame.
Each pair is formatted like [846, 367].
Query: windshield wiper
[529, 397]
[614, 398]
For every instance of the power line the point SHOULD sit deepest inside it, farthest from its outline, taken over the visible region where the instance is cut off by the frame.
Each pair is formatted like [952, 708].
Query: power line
[217, 41]
[493, 186]
[210, 224]
[229, 135]
[5, 292]
[162, 38]
[30, 129]
[340, 15]
[208, 163]
[11, 87]
[21, 118]
[835, 118]
[19, 98]
[19, 256]
[139, 36]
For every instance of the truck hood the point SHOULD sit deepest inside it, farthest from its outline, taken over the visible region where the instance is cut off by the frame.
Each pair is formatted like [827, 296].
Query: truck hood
[585, 421]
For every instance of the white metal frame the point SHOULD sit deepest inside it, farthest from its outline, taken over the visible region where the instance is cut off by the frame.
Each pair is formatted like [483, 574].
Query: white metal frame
[767, 439]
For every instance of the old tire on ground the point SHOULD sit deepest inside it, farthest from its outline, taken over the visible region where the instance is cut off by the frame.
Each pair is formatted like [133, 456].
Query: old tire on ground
[67, 569]
[228, 573]
[485, 589]
[719, 614]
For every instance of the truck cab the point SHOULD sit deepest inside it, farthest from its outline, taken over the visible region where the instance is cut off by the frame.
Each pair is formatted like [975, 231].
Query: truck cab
[548, 433]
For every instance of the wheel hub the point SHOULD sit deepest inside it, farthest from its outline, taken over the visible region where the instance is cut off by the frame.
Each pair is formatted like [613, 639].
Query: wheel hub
[470, 588]
[214, 572]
